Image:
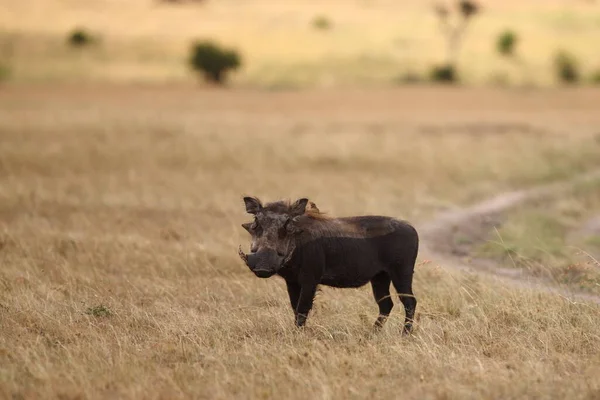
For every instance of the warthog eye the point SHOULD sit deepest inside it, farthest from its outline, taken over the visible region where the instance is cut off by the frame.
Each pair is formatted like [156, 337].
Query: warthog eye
[254, 225]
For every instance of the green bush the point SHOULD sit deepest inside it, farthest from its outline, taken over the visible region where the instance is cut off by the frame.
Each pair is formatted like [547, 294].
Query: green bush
[213, 61]
[506, 42]
[79, 38]
[443, 73]
[322, 23]
[566, 68]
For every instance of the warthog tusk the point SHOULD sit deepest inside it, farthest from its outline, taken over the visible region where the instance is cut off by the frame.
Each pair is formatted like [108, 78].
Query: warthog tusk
[242, 255]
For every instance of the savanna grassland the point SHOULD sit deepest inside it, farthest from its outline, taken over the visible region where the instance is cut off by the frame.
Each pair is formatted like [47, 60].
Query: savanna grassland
[374, 42]
[120, 213]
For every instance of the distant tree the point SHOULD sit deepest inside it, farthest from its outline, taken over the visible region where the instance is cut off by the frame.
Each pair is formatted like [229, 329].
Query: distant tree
[506, 44]
[454, 35]
[468, 8]
[213, 61]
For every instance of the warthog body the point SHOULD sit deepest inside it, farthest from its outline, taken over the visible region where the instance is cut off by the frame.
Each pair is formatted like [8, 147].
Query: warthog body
[306, 248]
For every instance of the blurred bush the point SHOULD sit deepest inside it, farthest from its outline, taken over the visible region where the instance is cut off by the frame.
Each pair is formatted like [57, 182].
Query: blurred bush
[595, 77]
[80, 37]
[566, 67]
[4, 72]
[506, 42]
[443, 73]
[321, 23]
[213, 61]
[7, 50]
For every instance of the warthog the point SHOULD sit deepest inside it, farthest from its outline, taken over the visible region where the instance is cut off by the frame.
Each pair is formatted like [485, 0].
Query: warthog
[307, 248]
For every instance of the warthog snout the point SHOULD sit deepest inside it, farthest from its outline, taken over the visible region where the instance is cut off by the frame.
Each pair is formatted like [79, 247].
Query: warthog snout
[264, 263]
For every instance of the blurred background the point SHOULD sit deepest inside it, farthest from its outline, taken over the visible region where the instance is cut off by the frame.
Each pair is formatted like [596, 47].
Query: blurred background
[295, 44]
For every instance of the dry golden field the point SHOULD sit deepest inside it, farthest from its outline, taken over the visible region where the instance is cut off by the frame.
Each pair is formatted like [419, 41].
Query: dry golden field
[371, 42]
[120, 213]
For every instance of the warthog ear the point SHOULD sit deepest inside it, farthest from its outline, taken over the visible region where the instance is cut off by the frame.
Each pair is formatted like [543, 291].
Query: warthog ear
[253, 205]
[299, 207]
[312, 207]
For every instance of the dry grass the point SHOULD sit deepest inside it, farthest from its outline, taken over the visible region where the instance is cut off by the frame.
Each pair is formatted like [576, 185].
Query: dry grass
[371, 42]
[177, 329]
[120, 213]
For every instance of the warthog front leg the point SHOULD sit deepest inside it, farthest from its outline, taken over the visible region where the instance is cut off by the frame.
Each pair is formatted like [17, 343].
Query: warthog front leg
[305, 303]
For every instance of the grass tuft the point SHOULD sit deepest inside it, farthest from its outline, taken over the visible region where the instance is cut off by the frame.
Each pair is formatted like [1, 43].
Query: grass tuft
[98, 311]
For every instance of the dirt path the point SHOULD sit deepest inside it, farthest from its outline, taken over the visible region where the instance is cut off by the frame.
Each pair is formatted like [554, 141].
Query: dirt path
[437, 236]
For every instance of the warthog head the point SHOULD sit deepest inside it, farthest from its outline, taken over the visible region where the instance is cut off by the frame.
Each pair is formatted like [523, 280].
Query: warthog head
[273, 233]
